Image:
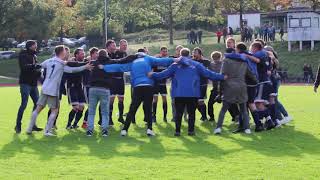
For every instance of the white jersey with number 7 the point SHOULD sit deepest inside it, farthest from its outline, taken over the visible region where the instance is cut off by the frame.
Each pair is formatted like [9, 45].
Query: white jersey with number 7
[55, 67]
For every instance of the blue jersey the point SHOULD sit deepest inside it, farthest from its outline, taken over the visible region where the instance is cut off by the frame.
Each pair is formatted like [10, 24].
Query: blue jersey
[263, 66]
[251, 65]
[186, 77]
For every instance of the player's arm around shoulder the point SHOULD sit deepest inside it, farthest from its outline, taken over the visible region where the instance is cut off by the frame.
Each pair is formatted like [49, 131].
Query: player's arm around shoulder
[69, 69]
[116, 67]
[125, 60]
[164, 74]
[209, 74]
[159, 61]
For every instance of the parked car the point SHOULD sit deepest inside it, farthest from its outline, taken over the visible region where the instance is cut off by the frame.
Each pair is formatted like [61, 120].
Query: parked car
[82, 40]
[73, 40]
[7, 54]
[22, 45]
[68, 42]
[53, 42]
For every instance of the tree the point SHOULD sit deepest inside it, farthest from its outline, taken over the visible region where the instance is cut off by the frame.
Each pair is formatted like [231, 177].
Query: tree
[27, 20]
[5, 9]
[167, 12]
[282, 3]
[315, 4]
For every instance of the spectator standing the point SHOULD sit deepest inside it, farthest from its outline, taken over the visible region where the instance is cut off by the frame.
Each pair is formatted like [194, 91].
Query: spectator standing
[199, 33]
[219, 34]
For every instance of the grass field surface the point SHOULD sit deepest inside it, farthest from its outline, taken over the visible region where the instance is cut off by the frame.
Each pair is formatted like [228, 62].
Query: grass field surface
[291, 152]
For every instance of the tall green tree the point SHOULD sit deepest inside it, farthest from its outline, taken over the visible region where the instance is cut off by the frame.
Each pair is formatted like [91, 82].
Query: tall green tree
[27, 19]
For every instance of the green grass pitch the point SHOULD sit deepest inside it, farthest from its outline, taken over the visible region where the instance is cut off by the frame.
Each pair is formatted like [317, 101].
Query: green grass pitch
[291, 152]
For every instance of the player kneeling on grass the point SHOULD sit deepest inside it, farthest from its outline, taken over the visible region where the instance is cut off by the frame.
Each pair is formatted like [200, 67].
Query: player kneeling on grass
[235, 92]
[55, 67]
[185, 87]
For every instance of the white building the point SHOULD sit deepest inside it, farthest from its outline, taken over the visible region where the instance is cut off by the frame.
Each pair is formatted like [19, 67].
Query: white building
[250, 19]
[303, 25]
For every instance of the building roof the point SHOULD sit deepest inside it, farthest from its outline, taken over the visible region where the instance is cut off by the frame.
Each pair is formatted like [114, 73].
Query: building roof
[275, 13]
[278, 13]
[302, 9]
[246, 12]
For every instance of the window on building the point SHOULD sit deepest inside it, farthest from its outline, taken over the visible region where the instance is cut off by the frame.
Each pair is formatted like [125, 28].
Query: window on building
[294, 23]
[316, 22]
[306, 22]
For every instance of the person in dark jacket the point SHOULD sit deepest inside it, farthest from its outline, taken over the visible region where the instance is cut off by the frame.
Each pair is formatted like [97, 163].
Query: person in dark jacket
[317, 81]
[310, 73]
[305, 73]
[225, 34]
[243, 54]
[160, 87]
[230, 32]
[281, 34]
[197, 55]
[100, 84]
[233, 110]
[235, 92]
[186, 83]
[75, 91]
[118, 85]
[215, 95]
[86, 82]
[199, 34]
[194, 38]
[28, 80]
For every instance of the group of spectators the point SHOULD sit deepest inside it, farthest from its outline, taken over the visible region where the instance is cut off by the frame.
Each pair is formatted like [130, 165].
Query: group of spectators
[307, 73]
[194, 37]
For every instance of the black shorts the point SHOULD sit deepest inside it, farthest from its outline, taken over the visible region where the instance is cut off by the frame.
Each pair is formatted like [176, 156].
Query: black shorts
[76, 96]
[203, 92]
[117, 87]
[213, 96]
[160, 89]
[60, 96]
[252, 92]
[264, 91]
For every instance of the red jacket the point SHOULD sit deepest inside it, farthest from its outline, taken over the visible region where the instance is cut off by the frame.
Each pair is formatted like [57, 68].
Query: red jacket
[219, 33]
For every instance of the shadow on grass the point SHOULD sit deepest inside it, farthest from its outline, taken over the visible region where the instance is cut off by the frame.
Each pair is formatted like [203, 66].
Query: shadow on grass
[285, 141]
[277, 143]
